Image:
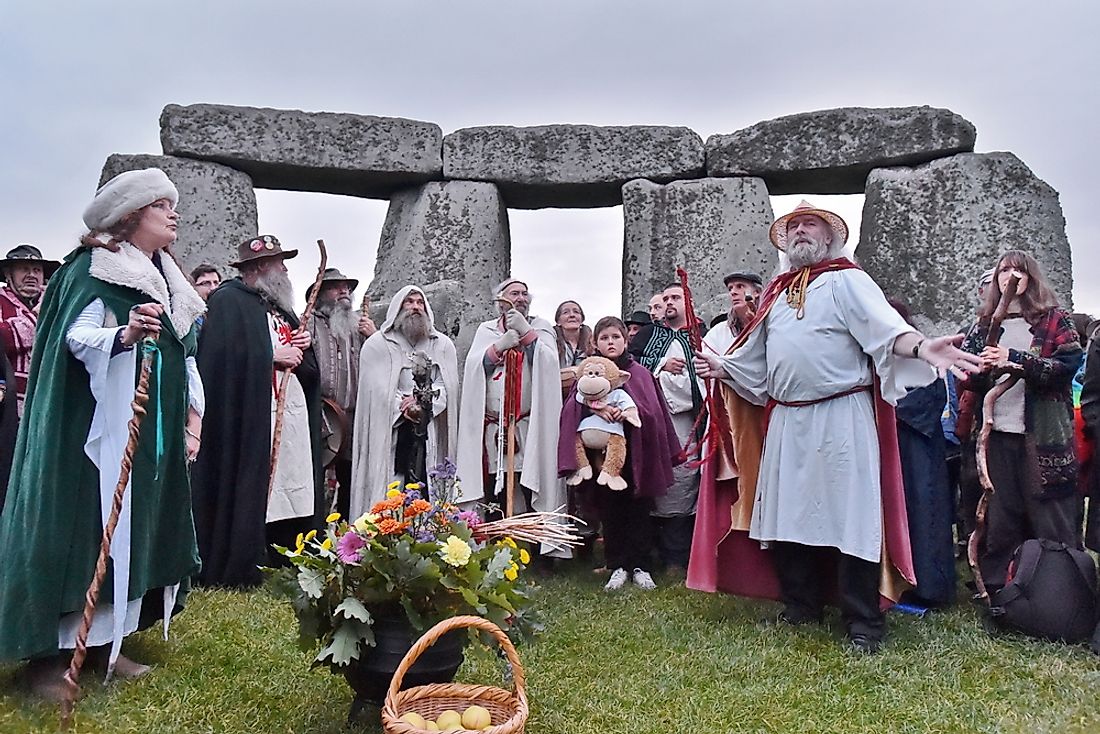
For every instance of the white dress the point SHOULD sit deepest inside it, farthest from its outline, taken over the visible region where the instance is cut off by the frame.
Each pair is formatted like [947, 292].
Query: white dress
[819, 475]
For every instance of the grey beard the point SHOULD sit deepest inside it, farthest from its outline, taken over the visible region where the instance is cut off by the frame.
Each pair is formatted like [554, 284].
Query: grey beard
[342, 321]
[804, 254]
[276, 287]
[413, 326]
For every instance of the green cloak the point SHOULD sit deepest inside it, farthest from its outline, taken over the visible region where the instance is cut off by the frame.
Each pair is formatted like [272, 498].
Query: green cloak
[51, 525]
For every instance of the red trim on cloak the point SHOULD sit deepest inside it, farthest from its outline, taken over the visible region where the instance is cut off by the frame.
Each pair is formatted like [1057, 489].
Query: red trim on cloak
[728, 560]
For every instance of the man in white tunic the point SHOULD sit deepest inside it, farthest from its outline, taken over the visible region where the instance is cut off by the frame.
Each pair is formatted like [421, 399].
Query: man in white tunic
[482, 444]
[389, 441]
[813, 358]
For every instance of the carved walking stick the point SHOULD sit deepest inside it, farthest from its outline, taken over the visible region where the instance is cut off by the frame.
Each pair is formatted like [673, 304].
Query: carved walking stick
[973, 544]
[513, 386]
[141, 397]
[284, 376]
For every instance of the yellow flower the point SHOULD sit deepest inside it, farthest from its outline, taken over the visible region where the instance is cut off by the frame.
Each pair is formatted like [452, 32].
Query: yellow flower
[366, 522]
[327, 544]
[310, 535]
[393, 493]
[414, 485]
[333, 517]
[455, 551]
[299, 543]
[393, 485]
[509, 542]
[524, 556]
[511, 572]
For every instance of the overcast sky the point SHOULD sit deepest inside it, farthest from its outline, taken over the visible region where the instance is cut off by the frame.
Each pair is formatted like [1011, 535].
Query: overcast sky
[82, 80]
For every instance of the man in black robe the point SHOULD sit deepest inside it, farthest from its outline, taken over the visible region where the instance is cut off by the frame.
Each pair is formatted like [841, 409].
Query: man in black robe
[249, 337]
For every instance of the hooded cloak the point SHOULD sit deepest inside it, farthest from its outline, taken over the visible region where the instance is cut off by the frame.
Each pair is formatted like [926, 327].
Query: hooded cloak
[381, 361]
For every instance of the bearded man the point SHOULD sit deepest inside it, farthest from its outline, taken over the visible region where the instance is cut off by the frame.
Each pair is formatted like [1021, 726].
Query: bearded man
[25, 273]
[830, 357]
[664, 348]
[482, 444]
[338, 332]
[394, 438]
[250, 337]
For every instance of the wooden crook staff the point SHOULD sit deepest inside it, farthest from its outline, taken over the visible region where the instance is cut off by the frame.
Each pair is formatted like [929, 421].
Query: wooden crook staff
[973, 545]
[284, 375]
[91, 596]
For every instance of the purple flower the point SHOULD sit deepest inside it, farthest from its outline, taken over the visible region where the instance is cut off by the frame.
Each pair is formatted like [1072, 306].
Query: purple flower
[445, 469]
[471, 518]
[349, 546]
[425, 536]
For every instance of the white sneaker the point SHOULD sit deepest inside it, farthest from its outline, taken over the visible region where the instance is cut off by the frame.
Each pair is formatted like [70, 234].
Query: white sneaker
[643, 580]
[617, 580]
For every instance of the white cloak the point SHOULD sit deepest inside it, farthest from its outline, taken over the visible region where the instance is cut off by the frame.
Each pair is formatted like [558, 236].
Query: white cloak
[540, 461]
[819, 475]
[381, 361]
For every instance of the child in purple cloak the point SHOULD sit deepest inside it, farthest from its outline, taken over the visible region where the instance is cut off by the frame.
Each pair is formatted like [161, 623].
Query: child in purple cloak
[652, 451]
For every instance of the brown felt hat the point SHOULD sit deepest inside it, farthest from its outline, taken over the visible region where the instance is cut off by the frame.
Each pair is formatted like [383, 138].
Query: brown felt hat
[259, 247]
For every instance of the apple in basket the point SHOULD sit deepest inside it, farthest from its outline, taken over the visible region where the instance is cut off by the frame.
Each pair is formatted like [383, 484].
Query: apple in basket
[476, 717]
[449, 719]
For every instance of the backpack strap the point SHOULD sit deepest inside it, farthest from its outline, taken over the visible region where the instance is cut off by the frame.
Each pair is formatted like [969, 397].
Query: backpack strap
[1085, 566]
[1026, 563]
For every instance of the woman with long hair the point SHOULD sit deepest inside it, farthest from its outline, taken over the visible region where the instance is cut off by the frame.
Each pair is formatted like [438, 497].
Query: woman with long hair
[574, 337]
[1031, 456]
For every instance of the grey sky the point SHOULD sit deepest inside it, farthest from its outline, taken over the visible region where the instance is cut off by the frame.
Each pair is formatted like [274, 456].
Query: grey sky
[83, 80]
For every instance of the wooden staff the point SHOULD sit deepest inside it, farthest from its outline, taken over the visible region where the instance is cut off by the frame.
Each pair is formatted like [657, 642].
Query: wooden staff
[284, 377]
[992, 338]
[91, 596]
[512, 372]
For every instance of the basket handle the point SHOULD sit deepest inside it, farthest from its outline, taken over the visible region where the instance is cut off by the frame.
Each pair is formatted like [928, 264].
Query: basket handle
[452, 623]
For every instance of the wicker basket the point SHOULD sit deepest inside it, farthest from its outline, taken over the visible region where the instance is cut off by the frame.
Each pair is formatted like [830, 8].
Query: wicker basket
[508, 709]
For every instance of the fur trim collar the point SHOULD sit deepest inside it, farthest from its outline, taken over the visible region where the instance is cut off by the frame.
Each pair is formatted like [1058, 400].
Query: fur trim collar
[131, 268]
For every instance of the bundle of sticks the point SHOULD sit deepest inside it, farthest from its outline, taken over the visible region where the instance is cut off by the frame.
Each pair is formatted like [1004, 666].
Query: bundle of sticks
[555, 529]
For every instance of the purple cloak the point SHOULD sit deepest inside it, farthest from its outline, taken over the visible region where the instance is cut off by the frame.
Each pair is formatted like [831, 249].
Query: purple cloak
[652, 449]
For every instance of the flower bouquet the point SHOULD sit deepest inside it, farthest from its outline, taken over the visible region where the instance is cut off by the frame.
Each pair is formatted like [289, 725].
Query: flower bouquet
[414, 557]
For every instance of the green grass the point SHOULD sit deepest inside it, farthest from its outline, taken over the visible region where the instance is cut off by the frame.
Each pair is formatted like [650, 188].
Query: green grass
[672, 660]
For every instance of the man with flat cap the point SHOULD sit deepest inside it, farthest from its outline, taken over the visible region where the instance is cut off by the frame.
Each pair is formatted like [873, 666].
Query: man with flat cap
[25, 273]
[483, 455]
[250, 337]
[338, 332]
[744, 291]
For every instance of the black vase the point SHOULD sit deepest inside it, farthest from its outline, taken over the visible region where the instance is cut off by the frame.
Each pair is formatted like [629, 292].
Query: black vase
[370, 675]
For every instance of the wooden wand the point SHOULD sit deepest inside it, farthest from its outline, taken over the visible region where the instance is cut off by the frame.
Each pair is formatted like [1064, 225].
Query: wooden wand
[91, 596]
[973, 544]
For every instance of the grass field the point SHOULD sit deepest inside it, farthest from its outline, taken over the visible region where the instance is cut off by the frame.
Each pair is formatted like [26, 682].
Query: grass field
[672, 660]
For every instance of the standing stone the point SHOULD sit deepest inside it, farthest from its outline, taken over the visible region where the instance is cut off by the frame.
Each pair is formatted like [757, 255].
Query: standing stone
[329, 152]
[217, 206]
[928, 233]
[577, 166]
[446, 231]
[710, 227]
[832, 151]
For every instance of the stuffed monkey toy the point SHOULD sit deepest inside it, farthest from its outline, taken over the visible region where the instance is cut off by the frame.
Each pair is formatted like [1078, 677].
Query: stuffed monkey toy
[599, 385]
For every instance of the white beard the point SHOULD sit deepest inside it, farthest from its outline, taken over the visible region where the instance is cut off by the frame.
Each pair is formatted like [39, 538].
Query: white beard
[342, 321]
[414, 327]
[804, 253]
[275, 285]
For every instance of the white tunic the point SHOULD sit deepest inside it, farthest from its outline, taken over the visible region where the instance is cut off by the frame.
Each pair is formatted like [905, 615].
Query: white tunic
[819, 475]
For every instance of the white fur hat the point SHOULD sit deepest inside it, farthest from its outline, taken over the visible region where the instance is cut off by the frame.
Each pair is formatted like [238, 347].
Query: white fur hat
[127, 192]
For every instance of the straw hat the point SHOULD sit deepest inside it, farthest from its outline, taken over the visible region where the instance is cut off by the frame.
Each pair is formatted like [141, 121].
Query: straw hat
[778, 231]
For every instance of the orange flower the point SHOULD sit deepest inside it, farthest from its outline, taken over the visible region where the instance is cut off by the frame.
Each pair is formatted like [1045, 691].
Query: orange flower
[418, 507]
[391, 504]
[389, 526]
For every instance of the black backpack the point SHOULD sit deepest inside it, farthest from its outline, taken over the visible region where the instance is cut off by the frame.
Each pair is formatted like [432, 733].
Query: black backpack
[1050, 593]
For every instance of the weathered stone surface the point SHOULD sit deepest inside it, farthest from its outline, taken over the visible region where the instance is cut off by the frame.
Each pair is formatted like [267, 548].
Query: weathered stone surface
[217, 206]
[335, 153]
[455, 231]
[928, 233]
[832, 151]
[577, 166]
[711, 227]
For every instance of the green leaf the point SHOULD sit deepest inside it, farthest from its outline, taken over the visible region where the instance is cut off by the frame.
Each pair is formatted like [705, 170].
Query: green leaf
[312, 582]
[498, 564]
[345, 643]
[352, 608]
